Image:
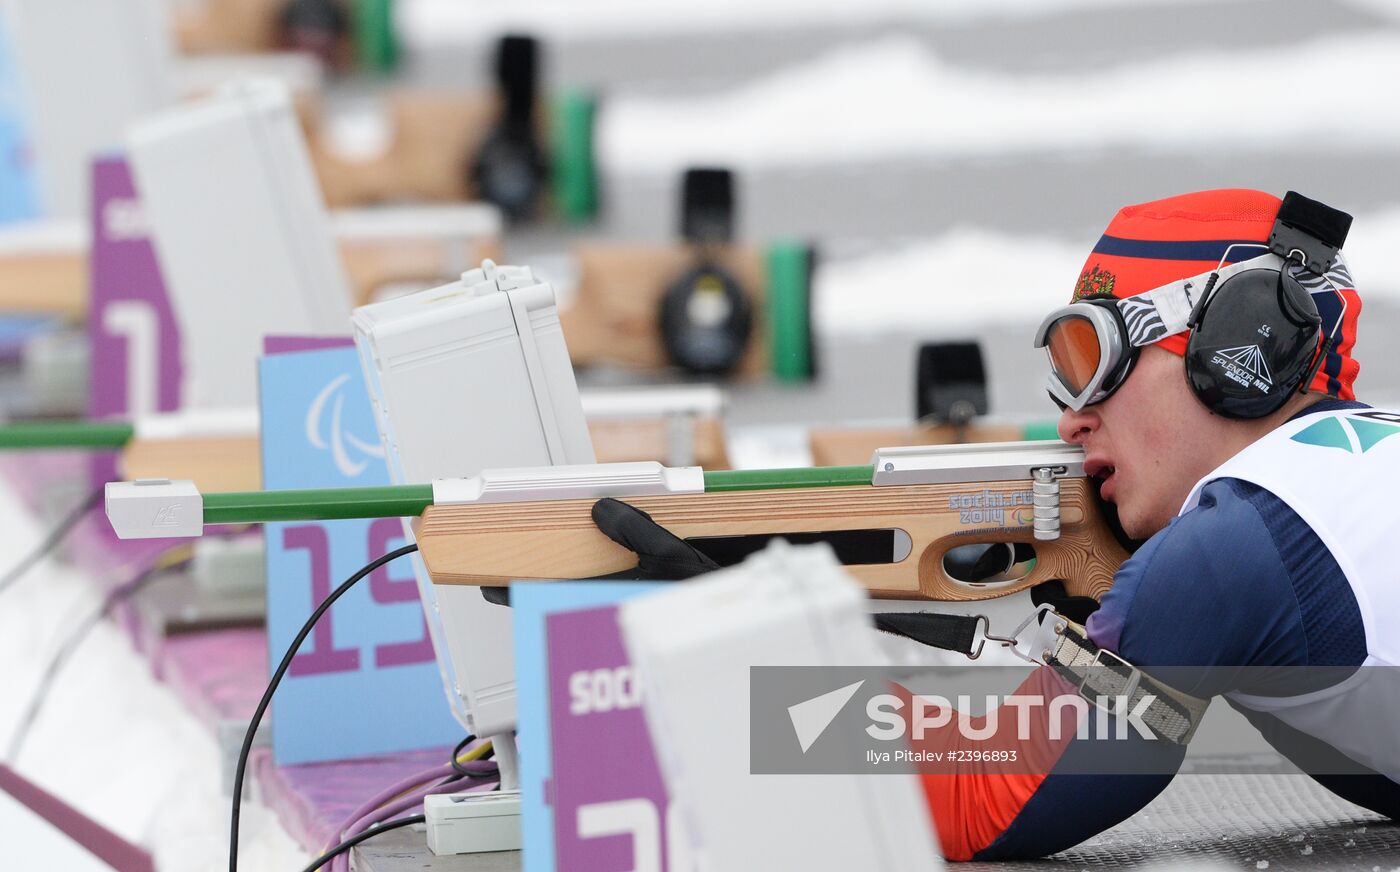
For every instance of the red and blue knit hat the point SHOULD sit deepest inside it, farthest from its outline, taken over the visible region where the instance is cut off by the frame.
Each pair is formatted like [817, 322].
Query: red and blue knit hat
[1152, 244]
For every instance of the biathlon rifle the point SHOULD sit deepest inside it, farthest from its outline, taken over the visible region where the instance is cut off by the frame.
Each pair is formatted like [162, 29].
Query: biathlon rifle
[916, 504]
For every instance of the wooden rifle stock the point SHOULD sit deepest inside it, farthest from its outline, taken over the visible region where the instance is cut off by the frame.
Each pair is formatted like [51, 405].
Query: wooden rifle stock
[495, 544]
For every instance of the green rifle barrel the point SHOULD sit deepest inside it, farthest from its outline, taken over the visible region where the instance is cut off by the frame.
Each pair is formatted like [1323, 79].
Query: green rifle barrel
[330, 504]
[325, 504]
[66, 434]
[768, 479]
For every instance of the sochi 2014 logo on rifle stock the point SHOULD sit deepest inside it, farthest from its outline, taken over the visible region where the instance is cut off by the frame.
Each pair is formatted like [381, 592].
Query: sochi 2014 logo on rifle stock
[1355, 434]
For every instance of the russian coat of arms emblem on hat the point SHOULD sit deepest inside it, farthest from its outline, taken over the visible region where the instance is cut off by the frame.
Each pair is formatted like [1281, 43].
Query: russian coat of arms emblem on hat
[1093, 282]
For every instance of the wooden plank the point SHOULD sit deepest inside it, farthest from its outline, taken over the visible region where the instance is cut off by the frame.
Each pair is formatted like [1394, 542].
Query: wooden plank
[45, 282]
[56, 282]
[434, 134]
[616, 441]
[226, 463]
[226, 25]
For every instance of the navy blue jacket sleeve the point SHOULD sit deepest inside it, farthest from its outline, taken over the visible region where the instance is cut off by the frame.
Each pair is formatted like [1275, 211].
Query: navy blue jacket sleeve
[1238, 581]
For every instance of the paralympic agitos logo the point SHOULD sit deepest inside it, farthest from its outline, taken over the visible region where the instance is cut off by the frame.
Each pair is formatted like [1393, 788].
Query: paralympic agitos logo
[1355, 434]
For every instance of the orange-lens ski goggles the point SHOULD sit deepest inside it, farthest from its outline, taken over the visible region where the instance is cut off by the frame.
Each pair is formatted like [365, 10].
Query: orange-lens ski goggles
[1090, 355]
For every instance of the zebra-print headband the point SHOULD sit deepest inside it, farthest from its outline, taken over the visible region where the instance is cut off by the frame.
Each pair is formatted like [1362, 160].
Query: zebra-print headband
[1162, 312]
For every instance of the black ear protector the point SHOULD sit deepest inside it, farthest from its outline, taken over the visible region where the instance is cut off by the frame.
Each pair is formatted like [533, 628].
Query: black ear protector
[318, 27]
[510, 169]
[950, 383]
[1253, 341]
[706, 317]
[1256, 337]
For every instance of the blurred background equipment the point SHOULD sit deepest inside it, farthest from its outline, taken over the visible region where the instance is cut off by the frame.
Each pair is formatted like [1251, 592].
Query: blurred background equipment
[509, 168]
[708, 307]
[952, 384]
[950, 394]
[706, 317]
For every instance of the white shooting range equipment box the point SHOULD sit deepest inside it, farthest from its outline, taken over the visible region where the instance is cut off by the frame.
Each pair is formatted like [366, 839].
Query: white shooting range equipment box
[465, 377]
[88, 68]
[693, 645]
[240, 231]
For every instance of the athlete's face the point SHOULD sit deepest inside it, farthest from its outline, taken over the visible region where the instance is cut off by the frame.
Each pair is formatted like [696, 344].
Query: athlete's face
[1150, 442]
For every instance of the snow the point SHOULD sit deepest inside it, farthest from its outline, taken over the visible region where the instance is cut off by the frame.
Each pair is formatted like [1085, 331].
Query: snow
[1303, 97]
[966, 279]
[111, 741]
[1383, 8]
[961, 280]
[451, 22]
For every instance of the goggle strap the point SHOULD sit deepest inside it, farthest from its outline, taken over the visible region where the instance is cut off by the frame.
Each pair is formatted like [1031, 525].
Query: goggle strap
[1166, 311]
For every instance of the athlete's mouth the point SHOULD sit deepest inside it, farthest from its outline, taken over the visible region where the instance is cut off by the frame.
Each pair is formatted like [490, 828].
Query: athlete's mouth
[1099, 469]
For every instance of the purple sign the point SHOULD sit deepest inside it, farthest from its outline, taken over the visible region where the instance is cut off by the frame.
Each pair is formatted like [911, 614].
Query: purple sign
[611, 811]
[135, 364]
[277, 344]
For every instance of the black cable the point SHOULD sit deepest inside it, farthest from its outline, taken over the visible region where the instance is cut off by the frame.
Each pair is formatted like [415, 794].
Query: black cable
[52, 540]
[457, 752]
[267, 699]
[114, 597]
[364, 836]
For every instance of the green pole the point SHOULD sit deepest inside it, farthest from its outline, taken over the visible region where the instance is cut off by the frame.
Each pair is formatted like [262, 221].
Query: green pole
[372, 24]
[575, 171]
[1038, 430]
[94, 435]
[790, 311]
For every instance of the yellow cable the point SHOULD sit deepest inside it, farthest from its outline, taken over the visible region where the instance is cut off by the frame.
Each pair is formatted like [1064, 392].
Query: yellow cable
[475, 753]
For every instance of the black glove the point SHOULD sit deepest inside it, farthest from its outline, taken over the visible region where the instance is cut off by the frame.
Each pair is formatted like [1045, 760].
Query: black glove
[1053, 593]
[661, 555]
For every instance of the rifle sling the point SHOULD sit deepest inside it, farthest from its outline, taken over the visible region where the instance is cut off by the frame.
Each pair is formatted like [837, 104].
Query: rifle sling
[948, 632]
[1098, 675]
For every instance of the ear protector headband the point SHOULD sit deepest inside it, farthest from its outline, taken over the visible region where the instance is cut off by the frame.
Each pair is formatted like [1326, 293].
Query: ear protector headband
[1255, 335]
